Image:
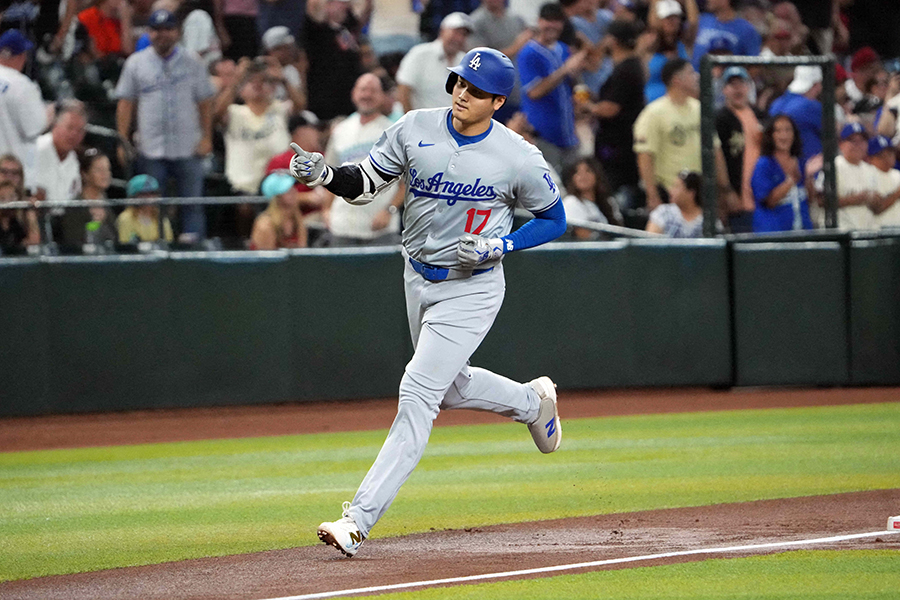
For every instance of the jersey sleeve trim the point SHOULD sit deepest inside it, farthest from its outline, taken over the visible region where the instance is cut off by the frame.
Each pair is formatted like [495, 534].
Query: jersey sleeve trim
[381, 168]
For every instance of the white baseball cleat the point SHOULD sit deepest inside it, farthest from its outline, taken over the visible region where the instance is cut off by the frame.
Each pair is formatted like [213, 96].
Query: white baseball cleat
[343, 534]
[546, 431]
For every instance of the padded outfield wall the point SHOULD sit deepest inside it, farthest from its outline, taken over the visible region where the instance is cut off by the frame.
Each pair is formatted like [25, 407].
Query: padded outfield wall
[206, 329]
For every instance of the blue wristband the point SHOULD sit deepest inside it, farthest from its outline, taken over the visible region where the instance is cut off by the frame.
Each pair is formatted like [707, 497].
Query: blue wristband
[546, 226]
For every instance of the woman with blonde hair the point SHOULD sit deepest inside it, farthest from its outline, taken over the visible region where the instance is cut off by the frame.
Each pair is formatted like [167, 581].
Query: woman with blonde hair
[281, 224]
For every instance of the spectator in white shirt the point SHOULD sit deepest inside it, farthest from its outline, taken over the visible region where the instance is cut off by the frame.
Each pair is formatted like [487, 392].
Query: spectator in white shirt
[683, 216]
[422, 75]
[23, 115]
[855, 180]
[883, 156]
[588, 197]
[378, 222]
[57, 173]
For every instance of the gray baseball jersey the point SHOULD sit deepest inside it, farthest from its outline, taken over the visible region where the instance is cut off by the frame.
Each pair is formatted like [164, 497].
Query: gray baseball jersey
[455, 184]
[458, 185]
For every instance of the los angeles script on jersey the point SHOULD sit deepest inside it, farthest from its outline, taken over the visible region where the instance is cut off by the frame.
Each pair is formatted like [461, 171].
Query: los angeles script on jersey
[451, 191]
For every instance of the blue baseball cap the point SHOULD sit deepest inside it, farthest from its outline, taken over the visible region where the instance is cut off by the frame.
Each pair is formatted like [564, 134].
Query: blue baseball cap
[162, 19]
[277, 183]
[721, 45]
[735, 71]
[879, 143]
[141, 184]
[853, 129]
[15, 42]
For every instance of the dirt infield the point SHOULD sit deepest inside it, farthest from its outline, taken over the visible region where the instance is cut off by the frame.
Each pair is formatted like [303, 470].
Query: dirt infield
[497, 549]
[444, 554]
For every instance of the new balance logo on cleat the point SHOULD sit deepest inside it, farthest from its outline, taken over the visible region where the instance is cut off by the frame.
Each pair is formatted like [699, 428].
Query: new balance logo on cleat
[546, 430]
[343, 534]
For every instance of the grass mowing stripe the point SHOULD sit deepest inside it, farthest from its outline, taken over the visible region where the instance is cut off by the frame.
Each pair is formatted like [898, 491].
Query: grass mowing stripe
[806, 574]
[65, 511]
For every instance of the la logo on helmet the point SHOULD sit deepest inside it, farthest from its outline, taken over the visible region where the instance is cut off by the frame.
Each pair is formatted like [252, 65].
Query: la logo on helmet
[475, 62]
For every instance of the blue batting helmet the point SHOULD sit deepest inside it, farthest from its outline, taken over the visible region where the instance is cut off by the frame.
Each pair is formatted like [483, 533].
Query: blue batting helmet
[485, 68]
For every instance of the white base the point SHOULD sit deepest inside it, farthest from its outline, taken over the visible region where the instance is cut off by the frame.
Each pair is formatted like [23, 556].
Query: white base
[893, 523]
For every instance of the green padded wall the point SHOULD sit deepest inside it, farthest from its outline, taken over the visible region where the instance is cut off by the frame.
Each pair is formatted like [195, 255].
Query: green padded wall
[565, 315]
[680, 298]
[230, 328]
[204, 329]
[23, 328]
[875, 311]
[106, 338]
[615, 314]
[790, 313]
[349, 330]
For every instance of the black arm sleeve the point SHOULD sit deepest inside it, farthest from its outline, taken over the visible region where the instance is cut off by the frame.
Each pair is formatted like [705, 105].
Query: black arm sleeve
[351, 181]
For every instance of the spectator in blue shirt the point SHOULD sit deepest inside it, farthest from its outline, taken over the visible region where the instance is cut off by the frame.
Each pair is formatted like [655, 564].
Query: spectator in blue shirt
[720, 25]
[670, 34]
[778, 183]
[800, 103]
[545, 68]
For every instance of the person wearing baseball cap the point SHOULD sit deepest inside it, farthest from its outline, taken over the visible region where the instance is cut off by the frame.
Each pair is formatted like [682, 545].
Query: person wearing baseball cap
[800, 102]
[883, 156]
[23, 115]
[14, 43]
[141, 222]
[673, 36]
[864, 64]
[620, 101]
[281, 224]
[281, 46]
[739, 128]
[419, 84]
[169, 91]
[720, 30]
[855, 177]
[198, 32]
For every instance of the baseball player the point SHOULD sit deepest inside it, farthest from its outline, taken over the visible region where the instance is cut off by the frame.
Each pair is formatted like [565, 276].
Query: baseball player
[464, 174]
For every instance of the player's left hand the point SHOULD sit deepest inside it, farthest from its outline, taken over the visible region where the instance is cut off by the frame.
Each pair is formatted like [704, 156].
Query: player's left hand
[474, 250]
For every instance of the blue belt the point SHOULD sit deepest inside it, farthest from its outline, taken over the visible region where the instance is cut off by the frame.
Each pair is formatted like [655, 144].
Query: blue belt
[435, 274]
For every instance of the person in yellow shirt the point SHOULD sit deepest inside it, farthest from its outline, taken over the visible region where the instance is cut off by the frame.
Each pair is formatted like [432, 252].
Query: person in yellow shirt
[141, 223]
[667, 135]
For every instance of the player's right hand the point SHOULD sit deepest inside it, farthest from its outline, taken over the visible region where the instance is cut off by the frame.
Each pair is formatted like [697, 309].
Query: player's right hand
[308, 168]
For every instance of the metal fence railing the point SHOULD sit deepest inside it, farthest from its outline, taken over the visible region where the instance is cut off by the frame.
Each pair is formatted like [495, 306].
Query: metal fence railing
[708, 127]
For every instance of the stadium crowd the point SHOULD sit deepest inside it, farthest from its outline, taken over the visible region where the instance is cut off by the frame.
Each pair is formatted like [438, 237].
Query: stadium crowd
[103, 99]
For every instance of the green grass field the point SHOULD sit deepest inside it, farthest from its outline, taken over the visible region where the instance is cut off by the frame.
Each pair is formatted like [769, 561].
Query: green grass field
[66, 511]
[824, 575]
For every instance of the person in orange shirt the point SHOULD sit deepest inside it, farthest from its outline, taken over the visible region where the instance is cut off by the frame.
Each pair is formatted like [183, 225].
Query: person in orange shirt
[108, 24]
